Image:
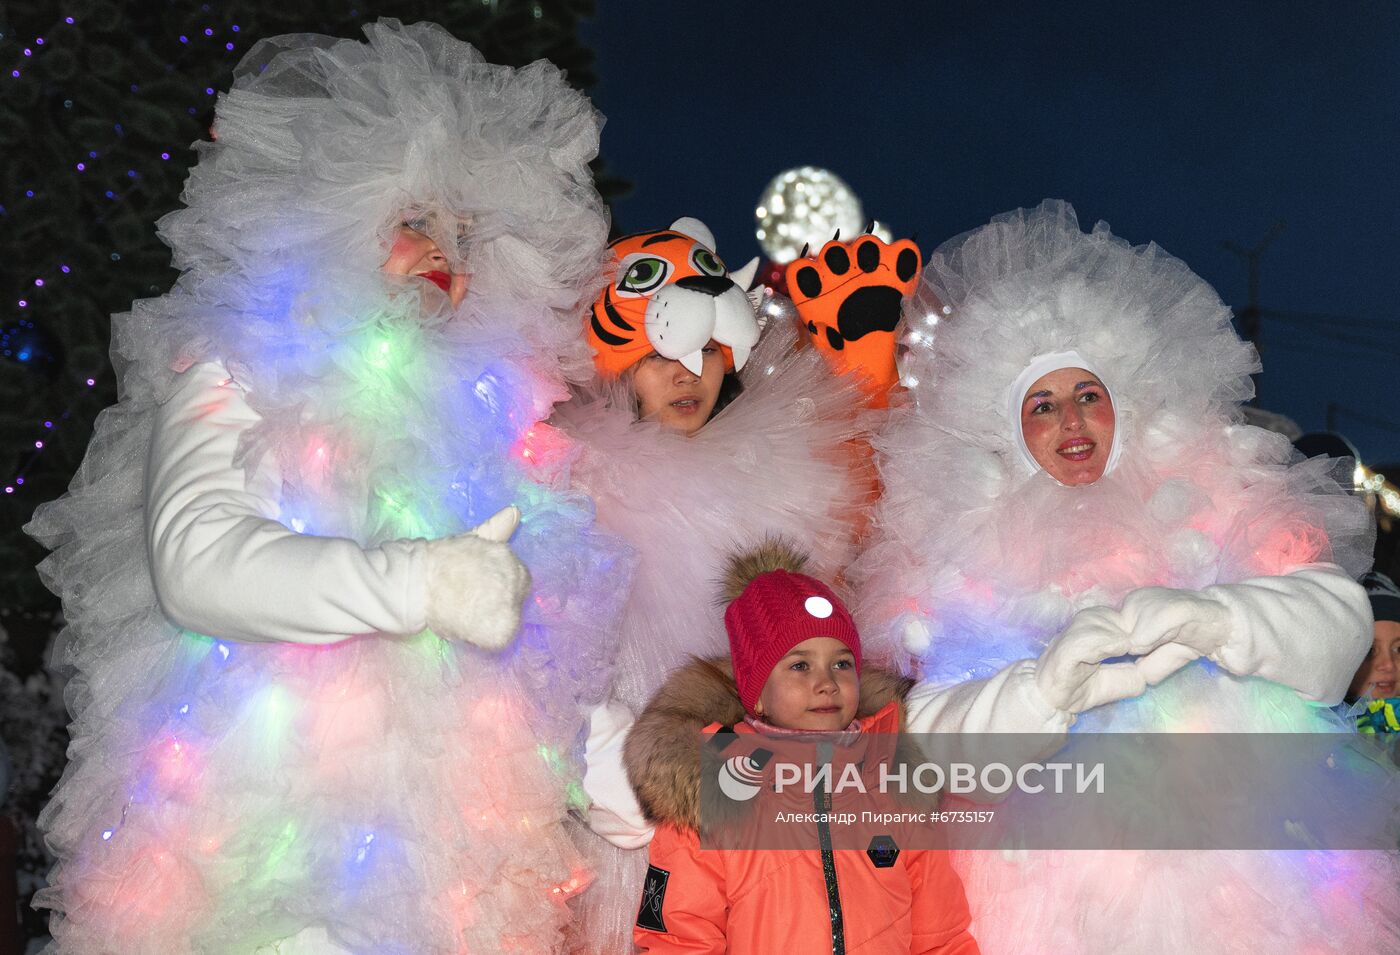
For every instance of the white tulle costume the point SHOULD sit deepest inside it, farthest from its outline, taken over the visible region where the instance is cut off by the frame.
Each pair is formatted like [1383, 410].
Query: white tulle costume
[980, 559]
[284, 759]
[774, 461]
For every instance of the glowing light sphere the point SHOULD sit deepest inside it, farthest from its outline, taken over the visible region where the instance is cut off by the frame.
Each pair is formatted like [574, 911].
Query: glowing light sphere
[805, 206]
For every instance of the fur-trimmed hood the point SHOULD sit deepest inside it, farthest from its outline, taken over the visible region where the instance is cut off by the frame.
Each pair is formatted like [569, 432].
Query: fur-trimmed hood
[662, 759]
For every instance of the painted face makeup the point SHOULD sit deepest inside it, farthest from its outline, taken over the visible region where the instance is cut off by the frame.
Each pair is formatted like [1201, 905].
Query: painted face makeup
[1067, 423]
[414, 253]
[676, 397]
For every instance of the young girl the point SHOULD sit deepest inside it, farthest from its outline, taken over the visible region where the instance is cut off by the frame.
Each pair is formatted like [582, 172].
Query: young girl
[794, 668]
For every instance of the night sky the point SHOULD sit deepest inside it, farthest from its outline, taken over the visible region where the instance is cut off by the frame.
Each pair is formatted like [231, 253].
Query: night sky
[1188, 124]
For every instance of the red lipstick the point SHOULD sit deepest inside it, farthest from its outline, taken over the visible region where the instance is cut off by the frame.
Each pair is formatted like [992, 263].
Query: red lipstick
[441, 279]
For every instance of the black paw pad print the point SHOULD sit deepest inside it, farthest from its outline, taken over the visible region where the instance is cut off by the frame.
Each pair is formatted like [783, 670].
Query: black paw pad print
[842, 300]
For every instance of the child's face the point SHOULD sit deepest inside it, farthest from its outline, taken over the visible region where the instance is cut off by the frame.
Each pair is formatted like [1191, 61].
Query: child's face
[814, 687]
[414, 253]
[1376, 678]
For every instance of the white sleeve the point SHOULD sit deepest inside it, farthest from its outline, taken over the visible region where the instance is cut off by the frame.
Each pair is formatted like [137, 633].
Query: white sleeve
[1308, 629]
[614, 813]
[1007, 704]
[221, 563]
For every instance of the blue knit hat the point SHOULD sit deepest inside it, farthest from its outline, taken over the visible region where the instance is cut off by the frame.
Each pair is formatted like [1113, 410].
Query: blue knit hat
[1385, 596]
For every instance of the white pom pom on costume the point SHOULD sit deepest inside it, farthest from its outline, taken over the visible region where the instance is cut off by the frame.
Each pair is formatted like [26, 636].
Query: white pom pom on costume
[1191, 556]
[917, 635]
[1172, 502]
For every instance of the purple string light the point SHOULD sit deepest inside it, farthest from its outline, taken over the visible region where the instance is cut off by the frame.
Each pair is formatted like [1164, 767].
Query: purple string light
[50, 425]
[64, 268]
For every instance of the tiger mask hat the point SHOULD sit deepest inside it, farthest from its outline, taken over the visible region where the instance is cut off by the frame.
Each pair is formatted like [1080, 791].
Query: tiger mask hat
[672, 295]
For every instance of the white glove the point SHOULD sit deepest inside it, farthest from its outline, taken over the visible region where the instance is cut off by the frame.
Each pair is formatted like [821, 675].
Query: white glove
[614, 814]
[1164, 661]
[1159, 615]
[1071, 674]
[476, 585]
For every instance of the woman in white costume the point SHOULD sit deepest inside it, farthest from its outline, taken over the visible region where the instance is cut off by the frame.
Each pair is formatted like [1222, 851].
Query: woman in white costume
[1074, 447]
[297, 725]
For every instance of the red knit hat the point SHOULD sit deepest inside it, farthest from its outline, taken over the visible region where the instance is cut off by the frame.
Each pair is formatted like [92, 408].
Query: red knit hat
[776, 611]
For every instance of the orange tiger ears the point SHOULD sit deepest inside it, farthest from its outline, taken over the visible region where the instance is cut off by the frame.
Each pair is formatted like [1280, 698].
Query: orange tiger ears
[849, 298]
[671, 295]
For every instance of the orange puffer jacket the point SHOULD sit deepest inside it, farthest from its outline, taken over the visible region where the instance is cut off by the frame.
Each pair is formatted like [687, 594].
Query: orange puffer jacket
[776, 901]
